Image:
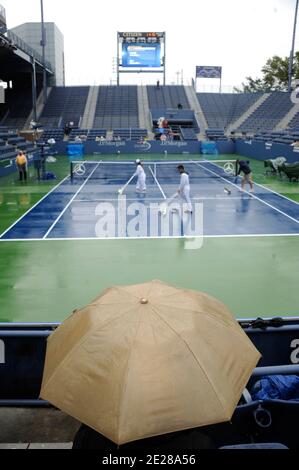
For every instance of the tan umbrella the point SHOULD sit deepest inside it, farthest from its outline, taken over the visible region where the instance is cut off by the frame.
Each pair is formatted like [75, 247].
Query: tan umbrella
[146, 360]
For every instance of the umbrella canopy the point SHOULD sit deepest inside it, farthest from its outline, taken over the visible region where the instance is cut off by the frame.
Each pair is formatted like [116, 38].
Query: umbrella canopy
[147, 360]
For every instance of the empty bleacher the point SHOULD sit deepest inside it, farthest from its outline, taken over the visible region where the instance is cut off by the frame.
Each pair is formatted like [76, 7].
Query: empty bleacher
[215, 134]
[269, 114]
[64, 105]
[7, 151]
[222, 109]
[188, 134]
[17, 108]
[52, 133]
[129, 134]
[295, 121]
[94, 133]
[89, 134]
[117, 107]
[10, 143]
[168, 96]
[287, 136]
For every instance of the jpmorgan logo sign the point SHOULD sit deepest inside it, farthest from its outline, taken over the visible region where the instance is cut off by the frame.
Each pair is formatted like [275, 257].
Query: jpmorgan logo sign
[2, 352]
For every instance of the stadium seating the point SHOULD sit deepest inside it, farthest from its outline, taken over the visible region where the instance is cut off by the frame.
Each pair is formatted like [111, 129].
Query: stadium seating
[188, 133]
[117, 107]
[269, 114]
[17, 108]
[129, 134]
[64, 105]
[7, 151]
[117, 110]
[94, 133]
[215, 134]
[11, 143]
[281, 137]
[295, 121]
[178, 119]
[168, 96]
[90, 134]
[222, 109]
[52, 133]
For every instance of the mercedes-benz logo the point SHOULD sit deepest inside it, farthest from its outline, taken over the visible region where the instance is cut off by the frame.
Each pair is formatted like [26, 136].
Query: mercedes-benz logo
[80, 169]
[229, 168]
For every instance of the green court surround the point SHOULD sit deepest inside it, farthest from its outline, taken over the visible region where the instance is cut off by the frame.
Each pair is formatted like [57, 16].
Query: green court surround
[44, 281]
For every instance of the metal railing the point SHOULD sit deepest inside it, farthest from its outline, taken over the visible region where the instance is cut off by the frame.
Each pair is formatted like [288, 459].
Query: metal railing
[17, 41]
[2, 14]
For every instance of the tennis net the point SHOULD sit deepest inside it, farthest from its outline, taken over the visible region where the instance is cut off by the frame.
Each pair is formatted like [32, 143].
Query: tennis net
[110, 172]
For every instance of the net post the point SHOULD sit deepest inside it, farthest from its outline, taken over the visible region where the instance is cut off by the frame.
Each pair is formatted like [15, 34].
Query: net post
[71, 170]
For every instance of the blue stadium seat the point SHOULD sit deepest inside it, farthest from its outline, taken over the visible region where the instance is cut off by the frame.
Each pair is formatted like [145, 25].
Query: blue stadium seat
[117, 107]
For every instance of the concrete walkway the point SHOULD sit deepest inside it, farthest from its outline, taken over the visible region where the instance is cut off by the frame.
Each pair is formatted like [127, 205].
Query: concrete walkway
[36, 428]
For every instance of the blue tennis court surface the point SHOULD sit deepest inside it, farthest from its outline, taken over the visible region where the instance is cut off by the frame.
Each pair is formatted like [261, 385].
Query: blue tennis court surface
[72, 210]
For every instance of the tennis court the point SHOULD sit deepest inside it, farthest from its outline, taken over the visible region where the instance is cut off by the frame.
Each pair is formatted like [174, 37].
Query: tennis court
[71, 209]
[53, 259]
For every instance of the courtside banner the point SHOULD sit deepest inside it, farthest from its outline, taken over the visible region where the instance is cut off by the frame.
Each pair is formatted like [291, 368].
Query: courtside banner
[206, 71]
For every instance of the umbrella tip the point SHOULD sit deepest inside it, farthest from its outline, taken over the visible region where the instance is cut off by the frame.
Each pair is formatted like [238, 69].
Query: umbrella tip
[144, 301]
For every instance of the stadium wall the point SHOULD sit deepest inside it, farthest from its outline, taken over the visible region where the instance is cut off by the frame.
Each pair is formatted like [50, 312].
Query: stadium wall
[23, 350]
[11, 167]
[128, 147]
[266, 150]
[149, 147]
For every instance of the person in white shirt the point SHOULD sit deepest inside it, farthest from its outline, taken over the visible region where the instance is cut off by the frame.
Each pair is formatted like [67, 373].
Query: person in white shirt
[33, 125]
[141, 178]
[184, 189]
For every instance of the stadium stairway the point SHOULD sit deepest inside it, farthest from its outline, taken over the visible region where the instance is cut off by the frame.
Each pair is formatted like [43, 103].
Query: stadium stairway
[235, 125]
[283, 124]
[198, 113]
[90, 108]
[39, 107]
[144, 111]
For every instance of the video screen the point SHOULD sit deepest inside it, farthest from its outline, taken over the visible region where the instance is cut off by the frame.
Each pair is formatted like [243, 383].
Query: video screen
[141, 55]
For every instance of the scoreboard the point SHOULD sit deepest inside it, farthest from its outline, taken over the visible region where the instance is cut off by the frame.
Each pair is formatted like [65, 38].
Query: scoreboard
[144, 38]
[141, 50]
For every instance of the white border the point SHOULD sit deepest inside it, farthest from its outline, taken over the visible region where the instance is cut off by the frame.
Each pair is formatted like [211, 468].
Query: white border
[181, 237]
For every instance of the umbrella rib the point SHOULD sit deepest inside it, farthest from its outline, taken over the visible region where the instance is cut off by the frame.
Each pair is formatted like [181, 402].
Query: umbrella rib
[81, 342]
[200, 365]
[125, 383]
[209, 314]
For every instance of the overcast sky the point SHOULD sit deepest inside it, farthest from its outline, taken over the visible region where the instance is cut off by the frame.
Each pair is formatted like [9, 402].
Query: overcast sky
[239, 35]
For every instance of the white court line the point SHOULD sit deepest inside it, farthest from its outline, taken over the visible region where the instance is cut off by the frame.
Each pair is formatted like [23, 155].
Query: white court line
[277, 194]
[250, 194]
[70, 202]
[147, 199]
[264, 187]
[257, 184]
[158, 184]
[255, 235]
[35, 205]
